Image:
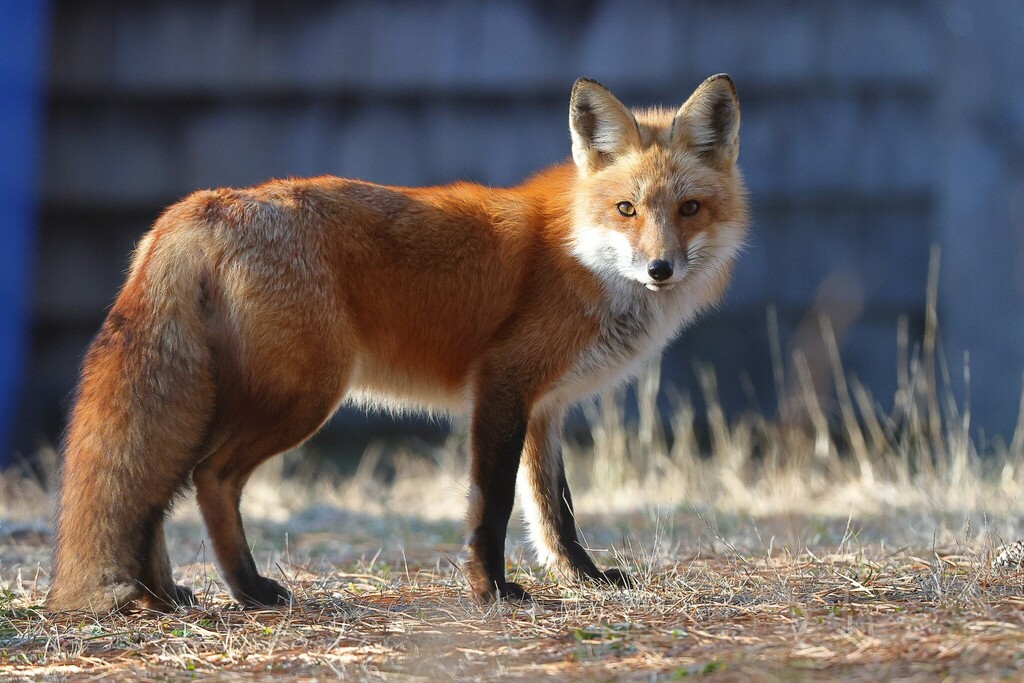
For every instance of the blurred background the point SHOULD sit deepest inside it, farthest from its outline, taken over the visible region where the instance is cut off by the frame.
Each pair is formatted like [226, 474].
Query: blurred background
[871, 132]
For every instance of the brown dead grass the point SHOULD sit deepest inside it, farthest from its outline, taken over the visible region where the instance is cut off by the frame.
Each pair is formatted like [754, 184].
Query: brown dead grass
[852, 610]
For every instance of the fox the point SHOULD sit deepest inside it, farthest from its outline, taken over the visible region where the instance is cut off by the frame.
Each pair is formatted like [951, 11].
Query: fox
[248, 316]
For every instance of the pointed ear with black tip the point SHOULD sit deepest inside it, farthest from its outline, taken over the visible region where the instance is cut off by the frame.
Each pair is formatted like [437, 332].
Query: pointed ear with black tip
[709, 122]
[601, 126]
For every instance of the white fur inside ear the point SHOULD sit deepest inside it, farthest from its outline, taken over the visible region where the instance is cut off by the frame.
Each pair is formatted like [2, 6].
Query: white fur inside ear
[599, 124]
[695, 126]
[708, 122]
[610, 129]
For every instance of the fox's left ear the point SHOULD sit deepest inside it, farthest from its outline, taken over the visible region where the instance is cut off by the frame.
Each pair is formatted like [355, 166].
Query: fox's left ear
[709, 122]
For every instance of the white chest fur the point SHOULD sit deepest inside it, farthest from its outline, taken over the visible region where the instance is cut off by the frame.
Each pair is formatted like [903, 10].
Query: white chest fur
[635, 325]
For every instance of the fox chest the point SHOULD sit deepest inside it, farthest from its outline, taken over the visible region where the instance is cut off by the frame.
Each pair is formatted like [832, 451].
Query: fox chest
[625, 338]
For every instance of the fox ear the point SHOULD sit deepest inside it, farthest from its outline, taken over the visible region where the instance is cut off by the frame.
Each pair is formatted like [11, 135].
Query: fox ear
[601, 126]
[709, 122]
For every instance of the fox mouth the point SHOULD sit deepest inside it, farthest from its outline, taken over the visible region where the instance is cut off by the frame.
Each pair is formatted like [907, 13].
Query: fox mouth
[660, 286]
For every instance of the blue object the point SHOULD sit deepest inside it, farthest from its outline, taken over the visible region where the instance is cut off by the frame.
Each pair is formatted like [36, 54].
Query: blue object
[23, 34]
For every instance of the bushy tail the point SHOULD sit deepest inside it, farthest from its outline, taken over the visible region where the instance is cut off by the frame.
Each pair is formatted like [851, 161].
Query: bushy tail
[139, 418]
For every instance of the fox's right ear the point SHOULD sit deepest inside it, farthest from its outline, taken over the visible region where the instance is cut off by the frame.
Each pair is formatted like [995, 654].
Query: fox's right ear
[601, 126]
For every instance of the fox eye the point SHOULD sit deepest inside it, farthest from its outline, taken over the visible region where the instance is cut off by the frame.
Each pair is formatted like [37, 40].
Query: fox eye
[626, 208]
[689, 208]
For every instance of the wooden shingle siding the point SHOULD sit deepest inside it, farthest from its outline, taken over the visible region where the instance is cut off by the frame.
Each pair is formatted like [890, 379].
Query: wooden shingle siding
[846, 116]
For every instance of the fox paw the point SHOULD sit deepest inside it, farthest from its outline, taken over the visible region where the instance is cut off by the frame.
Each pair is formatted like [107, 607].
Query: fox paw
[264, 592]
[617, 577]
[508, 591]
[184, 597]
[178, 596]
[513, 592]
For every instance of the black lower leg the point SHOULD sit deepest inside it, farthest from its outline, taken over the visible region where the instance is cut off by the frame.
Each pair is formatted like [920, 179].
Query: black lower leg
[499, 431]
[581, 563]
[247, 585]
[219, 500]
[158, 579]
[579, 559]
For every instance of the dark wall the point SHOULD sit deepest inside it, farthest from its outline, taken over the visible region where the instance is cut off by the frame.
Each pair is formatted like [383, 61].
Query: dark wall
[857, 117]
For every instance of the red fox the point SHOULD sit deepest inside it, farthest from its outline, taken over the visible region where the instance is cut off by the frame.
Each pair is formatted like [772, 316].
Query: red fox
[249, 315]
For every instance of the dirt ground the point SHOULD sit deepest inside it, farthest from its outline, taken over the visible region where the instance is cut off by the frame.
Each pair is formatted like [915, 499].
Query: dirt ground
[728, 598]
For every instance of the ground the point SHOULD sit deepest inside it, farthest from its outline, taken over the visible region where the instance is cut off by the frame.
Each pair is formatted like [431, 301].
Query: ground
[734, 598]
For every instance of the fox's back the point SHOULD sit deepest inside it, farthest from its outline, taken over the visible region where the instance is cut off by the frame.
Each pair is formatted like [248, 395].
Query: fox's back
[414, 282]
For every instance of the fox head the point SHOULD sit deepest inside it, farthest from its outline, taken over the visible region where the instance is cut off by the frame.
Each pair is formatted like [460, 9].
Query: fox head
[660, 198]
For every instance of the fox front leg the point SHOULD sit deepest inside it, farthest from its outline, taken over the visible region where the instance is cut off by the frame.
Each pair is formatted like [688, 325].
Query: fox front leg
[548, 506]
[498, 432]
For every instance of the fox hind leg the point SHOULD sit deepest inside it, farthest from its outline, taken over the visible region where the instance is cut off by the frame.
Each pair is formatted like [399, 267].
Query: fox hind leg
[220, 478]
[219, 493]
[158, 580]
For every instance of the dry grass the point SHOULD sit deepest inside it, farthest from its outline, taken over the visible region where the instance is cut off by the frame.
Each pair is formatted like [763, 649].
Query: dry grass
[854, 610]
[836, 541]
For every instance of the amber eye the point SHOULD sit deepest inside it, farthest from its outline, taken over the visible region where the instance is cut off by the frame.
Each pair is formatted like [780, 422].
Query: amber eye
[689, 208]
[626, 208]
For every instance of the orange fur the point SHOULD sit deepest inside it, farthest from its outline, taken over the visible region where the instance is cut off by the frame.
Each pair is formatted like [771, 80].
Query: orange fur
[249, 315]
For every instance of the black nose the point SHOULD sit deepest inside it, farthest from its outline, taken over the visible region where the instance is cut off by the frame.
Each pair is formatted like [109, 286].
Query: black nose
[659, 270]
